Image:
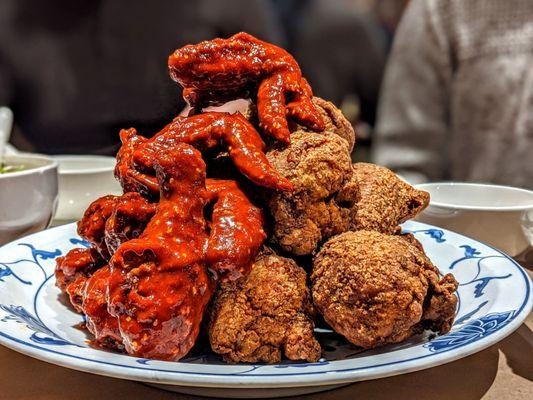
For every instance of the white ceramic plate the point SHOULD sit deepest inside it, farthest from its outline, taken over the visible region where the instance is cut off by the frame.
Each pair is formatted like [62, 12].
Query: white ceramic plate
[494, 295]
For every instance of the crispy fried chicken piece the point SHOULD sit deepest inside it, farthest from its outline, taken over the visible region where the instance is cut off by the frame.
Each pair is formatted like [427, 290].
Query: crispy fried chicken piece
[159, 285]
[379, 200]
[73, 270]
[376, 289]
[317, 165]
[301, 224]
[128, 219]
[92, 225]
[99, 322]
[334, 122]
[236, 230]
[215, 71]
[265, 314]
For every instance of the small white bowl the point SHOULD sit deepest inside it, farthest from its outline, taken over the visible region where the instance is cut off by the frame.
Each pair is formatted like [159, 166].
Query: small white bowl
[83, 179]
[501, 216]
[28, 198]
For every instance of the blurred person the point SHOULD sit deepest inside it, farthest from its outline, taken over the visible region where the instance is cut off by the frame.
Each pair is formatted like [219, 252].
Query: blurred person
[341, 52]
[457, 98]
[75, 72]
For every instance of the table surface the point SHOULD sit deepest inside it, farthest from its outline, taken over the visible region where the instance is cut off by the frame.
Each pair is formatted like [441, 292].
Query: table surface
[503, 371]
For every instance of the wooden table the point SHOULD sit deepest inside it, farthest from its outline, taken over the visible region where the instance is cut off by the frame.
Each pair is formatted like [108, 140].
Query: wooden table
[503, 371]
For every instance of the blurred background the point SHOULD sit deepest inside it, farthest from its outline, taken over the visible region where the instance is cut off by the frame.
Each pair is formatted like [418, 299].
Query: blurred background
[437, 89]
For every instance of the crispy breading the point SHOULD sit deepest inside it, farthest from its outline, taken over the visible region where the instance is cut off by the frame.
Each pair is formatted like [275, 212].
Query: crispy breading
[265, 314]
[376, 289]
[334, 122]
[379, 200]
[318, 166]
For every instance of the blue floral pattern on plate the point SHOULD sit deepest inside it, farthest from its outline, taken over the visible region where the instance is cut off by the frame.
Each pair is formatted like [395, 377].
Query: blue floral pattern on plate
[494, 297]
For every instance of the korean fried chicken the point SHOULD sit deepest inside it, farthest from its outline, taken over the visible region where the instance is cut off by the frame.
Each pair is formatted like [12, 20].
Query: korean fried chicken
[317, 165]
[334, 121]
[379, 200]
[265, 314]
[376, 289]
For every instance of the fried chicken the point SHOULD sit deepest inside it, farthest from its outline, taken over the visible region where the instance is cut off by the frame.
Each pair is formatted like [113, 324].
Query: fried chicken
[376, 289]
[259, 316]
[334, 122]
[379, 200]
[317, 165]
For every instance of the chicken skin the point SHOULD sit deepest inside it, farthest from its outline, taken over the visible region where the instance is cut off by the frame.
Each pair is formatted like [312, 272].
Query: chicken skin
[334, 122]
[379, 200]
[376, 289]
[265, 314]
[317, 165]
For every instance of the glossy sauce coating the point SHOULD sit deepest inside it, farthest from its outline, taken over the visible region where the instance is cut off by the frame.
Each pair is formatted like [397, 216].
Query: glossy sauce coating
[92, 226]
[205, 131]
[236, 230]
[99, 322]
[159, 285]
[131, 213]
[78, 261]
[218, 70]
[131, 177]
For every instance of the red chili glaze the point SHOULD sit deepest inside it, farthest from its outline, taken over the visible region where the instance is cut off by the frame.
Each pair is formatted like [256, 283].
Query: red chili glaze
[92, 226]
[205, 131]
[245, 146]
[159, 285]
[236, 230]
[131, 213]
[99, 322]
[75, 292]
[75, 263]
[131, 177]
[218, 70]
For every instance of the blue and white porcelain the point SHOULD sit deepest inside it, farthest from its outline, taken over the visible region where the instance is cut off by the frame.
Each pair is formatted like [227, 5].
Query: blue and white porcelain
[494, 299]
[501, 216]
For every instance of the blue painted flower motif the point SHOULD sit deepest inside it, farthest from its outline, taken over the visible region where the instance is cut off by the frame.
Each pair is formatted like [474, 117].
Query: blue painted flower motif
[20, 315]
[436, 234]
[470, 252]
[433, 233]
[6, 271]
[471, 332]
[81, 242]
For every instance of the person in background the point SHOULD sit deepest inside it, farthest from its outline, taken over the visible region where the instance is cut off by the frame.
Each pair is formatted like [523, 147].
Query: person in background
[75, 72]
[341, 51]
[457, 98]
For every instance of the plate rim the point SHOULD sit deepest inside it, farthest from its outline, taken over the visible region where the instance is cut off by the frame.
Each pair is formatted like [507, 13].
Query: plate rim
[344, 375]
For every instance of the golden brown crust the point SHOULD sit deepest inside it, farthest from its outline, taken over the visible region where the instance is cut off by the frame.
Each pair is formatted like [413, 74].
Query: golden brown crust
[334, 122]
[266, 313]
[302, 224]
[376, 289]
[382, 200]
[318, 166]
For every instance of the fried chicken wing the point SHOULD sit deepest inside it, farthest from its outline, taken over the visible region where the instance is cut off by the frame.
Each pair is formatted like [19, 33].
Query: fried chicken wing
[128, 219]
[265, 314]
[159, 285]
[218, 70]
[236, 230]
[92, 225]
[317, 165]
[379, 200]
[98, 321]
[376, 289]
